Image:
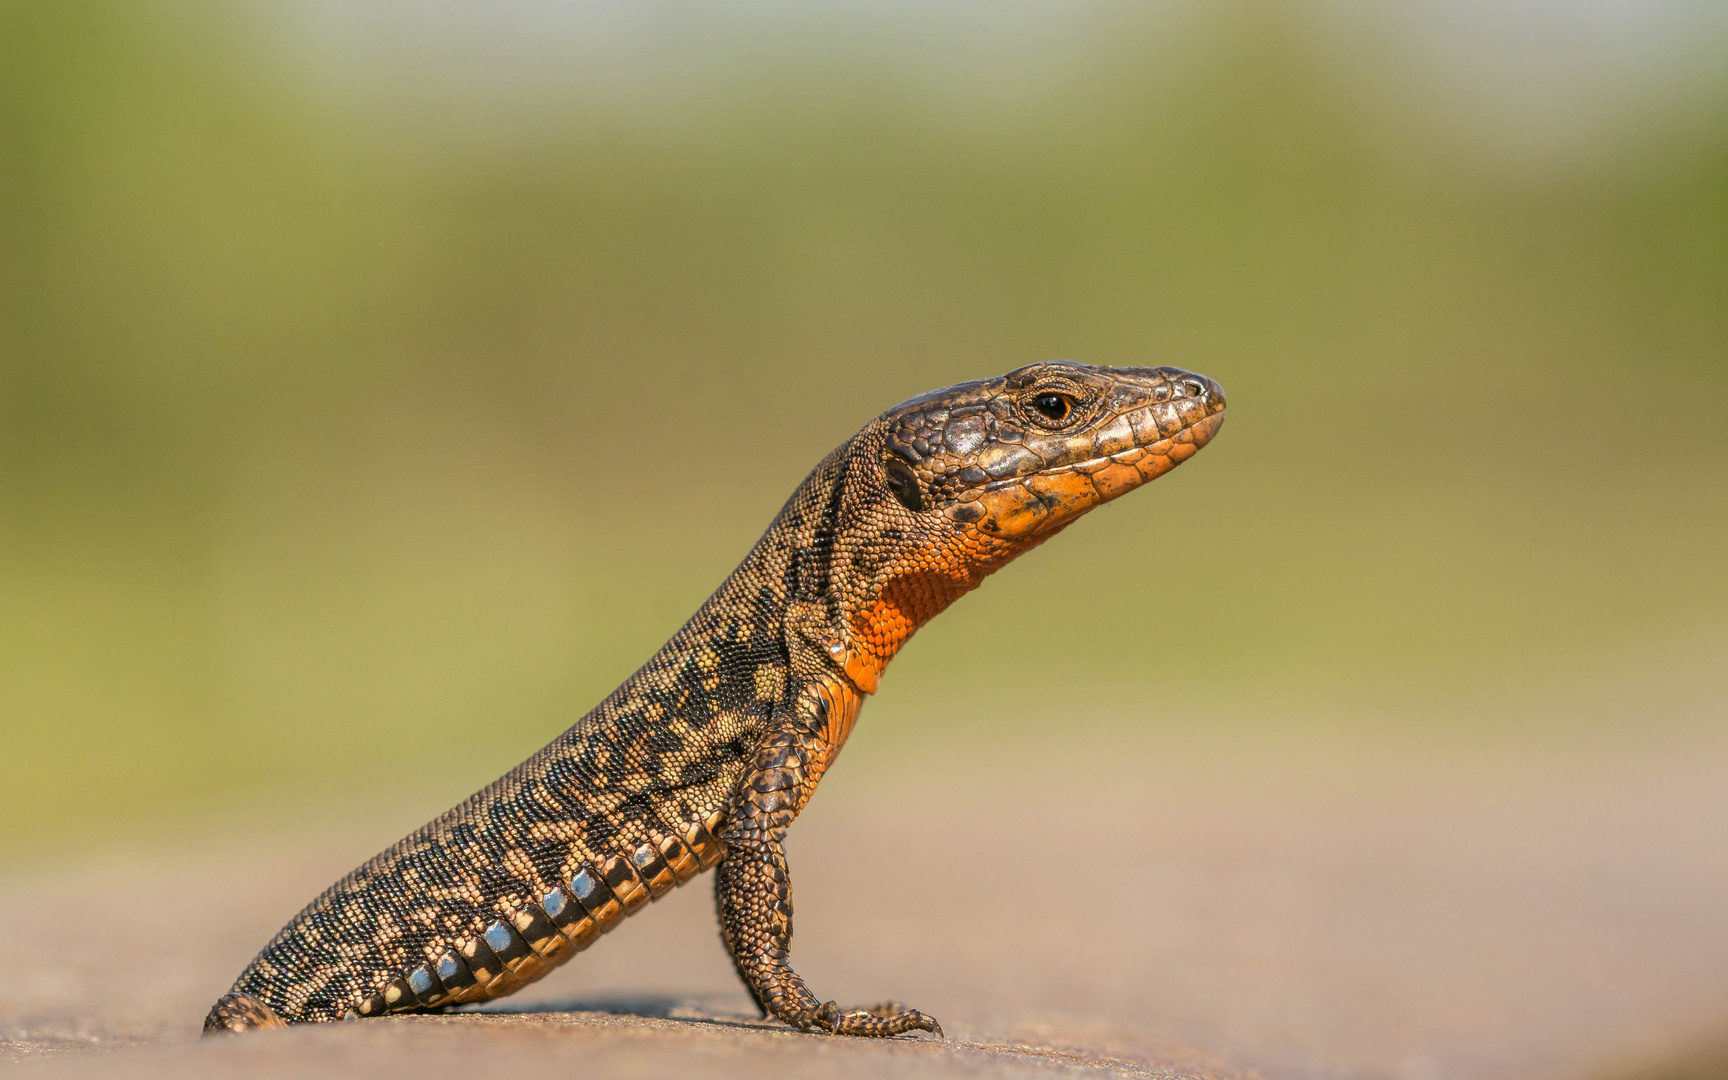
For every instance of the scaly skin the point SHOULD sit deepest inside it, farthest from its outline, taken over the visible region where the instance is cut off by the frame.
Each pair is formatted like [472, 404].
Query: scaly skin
[706, 755]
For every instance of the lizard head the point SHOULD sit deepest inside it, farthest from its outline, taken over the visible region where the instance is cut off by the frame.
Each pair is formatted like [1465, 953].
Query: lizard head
[1014, 459]
[945, 489]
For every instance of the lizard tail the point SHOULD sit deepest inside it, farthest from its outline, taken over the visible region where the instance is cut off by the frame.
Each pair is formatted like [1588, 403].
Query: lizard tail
[235, 1014]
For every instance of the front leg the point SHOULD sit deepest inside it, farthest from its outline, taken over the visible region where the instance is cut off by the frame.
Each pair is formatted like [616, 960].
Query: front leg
[753, 892]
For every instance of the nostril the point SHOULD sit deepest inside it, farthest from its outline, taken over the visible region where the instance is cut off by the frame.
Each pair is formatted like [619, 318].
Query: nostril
[1193, 389]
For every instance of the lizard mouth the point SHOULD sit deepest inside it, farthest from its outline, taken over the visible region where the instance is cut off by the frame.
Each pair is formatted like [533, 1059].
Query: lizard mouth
[1037, 502]
[1181, 445]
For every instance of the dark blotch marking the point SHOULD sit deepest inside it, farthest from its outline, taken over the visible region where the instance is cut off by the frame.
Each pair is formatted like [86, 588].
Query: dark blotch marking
[481, 960]
[601, 833]
[636, 808]
[536, 929]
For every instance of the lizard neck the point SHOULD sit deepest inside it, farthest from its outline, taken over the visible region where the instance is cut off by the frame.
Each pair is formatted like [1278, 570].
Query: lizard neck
[854, 573]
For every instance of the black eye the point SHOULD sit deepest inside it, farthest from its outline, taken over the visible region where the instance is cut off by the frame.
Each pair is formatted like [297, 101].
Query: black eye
[1053, 407]
[903, 483]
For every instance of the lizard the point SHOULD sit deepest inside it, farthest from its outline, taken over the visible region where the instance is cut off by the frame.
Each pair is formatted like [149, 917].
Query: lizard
[703, 758]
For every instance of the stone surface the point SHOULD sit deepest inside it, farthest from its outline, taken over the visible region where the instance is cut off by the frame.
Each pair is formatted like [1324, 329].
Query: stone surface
[1295, 907]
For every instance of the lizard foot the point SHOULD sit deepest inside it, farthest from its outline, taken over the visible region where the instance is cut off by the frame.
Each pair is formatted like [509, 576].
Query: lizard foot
[878, 1021]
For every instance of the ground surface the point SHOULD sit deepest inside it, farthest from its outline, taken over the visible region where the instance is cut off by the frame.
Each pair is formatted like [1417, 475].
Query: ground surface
[1298, 907]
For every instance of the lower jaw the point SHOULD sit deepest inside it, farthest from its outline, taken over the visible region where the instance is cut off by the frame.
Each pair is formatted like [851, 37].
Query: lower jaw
[1037, 505]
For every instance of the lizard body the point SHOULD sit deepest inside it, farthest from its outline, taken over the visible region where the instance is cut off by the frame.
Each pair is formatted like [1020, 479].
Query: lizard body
[705, 755]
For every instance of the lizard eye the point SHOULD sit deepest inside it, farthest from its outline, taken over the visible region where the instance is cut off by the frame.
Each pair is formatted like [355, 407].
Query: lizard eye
[1053, 407]
[903, 483]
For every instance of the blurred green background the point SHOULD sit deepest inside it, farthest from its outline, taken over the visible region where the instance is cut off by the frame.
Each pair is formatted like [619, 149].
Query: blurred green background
[381, 382]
